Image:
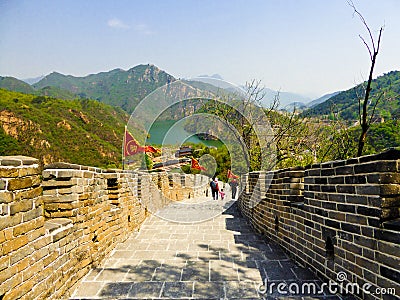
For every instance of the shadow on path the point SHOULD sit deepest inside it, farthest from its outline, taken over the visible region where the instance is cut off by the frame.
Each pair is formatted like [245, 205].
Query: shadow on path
[222, 258]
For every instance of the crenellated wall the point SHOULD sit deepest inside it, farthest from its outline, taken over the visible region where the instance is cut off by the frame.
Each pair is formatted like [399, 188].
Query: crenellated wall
[57, 223]
[335, 216]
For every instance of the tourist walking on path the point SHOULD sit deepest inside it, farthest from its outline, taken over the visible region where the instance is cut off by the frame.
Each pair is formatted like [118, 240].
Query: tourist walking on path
[214, 188]
[234, 184]
[222, 194]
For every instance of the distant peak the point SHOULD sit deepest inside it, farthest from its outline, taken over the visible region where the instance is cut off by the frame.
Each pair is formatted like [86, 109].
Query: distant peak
[33, 80]
[215, 76]
[53, 74]
[143, 67]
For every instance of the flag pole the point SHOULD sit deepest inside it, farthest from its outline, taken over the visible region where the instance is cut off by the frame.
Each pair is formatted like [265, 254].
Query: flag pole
[123, 150]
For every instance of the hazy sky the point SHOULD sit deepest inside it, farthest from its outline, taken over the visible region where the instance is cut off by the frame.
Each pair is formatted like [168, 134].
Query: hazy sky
[305, 46]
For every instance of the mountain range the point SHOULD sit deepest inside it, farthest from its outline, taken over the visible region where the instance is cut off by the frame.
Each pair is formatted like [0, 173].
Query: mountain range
[53, 119]
[303, 106]
[321, 99]
[33, 80]
[385, 87]
[285, 98]
[16, 85]
[125, 89]
[117, 87]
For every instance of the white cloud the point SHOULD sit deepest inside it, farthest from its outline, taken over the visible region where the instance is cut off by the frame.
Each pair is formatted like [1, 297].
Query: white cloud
[144, 29]
[117, 23]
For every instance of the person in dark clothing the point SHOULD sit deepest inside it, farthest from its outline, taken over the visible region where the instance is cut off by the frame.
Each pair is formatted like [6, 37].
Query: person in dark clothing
[234, 184]
[214, 188]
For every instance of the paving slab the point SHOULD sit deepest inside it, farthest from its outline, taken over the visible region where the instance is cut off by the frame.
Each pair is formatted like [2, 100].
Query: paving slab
[178, 290]
[145, 290]
[166, 273]
[89, 290]
[219, 258]
[241, 290]
[116, 290]
[209, 290]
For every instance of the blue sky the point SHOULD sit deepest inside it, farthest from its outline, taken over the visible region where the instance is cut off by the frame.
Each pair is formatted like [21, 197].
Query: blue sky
[305, 46]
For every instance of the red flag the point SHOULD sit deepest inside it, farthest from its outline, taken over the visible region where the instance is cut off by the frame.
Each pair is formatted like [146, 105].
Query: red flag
[231, 175]
[152, 149]
[131, 145]
[196, 165]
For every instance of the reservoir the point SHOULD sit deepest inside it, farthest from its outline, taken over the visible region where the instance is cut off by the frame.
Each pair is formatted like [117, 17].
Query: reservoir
[178, 136]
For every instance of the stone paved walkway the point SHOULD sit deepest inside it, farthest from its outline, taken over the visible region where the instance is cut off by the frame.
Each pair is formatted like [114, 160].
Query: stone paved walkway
[221, 258]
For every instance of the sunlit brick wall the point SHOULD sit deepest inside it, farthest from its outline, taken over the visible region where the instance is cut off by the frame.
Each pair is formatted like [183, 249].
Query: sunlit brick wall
[58, 223]
[335, 216]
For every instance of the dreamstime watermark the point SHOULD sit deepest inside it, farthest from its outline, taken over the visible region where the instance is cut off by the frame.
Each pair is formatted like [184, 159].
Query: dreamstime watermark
[340, 286]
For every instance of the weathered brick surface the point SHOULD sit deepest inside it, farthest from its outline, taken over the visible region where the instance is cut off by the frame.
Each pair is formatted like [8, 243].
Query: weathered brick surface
[53, 231]
[344, 216]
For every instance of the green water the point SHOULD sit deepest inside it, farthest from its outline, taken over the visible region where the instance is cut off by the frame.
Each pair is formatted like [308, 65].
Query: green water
[177, 137]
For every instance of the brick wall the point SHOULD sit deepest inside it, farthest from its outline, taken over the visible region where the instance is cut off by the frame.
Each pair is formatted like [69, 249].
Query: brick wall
[57, 223]
[335, 216]
[23, 239]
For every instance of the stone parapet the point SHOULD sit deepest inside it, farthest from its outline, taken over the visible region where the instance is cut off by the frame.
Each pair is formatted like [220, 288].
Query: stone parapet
[58, 223]
[340, 216]
[23, 239]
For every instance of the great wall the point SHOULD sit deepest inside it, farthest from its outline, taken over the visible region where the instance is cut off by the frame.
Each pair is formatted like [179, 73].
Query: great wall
[59, 222]
[335, 216]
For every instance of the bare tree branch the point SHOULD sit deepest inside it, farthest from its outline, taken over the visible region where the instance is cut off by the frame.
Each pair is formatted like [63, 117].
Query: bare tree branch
[366, 45]
[350, 2]
[373, 50]
[373, 110]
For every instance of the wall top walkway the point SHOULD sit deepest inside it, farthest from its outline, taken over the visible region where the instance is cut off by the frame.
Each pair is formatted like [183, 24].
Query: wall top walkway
[221, 258]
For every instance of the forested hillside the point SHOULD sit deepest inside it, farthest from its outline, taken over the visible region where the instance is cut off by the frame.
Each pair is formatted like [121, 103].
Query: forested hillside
[346, 103]
[79, 131]
[117, 87]
[13, 84]
[16, 85]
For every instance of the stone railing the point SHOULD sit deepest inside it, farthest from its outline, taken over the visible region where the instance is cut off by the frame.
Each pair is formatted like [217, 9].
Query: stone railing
[341, 216]
[57, 223]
